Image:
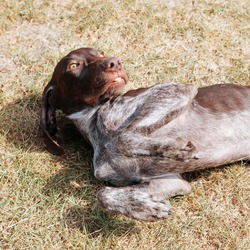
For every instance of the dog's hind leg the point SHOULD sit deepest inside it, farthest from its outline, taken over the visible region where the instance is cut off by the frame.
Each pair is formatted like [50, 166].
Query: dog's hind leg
[145, 201]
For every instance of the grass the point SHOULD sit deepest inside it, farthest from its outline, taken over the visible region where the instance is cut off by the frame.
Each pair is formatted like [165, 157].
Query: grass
[48, 202]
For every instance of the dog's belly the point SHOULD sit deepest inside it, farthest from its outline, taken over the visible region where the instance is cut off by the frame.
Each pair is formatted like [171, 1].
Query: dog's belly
[218, 139]
[182, 145]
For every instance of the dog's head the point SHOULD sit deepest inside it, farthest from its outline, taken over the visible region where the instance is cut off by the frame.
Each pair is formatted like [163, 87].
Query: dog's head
[83, 78]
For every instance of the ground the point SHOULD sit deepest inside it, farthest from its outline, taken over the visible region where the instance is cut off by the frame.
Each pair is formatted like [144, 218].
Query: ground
[48, 202]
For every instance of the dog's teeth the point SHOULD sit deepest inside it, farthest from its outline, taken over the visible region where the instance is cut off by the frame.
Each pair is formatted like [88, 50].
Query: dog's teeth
[118, 80]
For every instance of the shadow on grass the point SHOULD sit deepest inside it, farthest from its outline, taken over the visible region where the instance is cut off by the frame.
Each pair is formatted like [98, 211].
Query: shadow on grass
[88, 217]
[77, 182]
[94, 222]
[20, 126]
[20, 123]
[20, 129]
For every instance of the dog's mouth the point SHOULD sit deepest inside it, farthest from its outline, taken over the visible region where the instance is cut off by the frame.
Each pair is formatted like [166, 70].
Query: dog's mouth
[114, 86]
[106, 85]
[111, 88]
[118, 83]
[119, 80]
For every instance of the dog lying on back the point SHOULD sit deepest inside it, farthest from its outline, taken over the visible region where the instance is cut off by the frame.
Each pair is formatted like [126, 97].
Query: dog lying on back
[143, 140]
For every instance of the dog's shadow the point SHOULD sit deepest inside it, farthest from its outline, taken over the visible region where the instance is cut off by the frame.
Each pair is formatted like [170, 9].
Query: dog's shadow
[77, 180]
[20, 128]
[96, 223]
[20, 123]
[78, 184]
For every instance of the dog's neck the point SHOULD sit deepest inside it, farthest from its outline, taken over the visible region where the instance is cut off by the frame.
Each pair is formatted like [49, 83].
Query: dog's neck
[84, 119]
[89, 121]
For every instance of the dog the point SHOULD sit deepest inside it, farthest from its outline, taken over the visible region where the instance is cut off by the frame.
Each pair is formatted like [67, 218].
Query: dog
[146, 138]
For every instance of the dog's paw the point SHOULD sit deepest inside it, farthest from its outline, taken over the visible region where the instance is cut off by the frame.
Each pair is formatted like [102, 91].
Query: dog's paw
[134, 203]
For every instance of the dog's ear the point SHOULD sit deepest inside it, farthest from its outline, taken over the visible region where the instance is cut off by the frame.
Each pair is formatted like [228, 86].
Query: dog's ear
[48, 121]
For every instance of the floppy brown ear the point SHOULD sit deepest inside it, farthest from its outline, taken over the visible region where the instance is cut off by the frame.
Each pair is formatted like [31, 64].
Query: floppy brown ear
[48, 122]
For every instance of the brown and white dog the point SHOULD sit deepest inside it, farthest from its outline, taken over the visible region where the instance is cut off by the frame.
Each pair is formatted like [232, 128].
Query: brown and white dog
[144, 139]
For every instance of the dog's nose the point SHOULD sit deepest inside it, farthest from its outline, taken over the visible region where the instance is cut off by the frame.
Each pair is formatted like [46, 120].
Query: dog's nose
[112, 64]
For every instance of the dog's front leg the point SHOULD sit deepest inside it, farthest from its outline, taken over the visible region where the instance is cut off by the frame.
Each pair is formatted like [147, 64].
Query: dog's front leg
[145, 201]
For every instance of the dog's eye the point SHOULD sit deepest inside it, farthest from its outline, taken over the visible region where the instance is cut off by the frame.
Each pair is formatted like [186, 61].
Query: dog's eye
[73, 65]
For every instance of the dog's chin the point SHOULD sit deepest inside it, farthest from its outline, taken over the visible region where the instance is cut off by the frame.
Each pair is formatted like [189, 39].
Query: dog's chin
[109, 96]
[113, 89]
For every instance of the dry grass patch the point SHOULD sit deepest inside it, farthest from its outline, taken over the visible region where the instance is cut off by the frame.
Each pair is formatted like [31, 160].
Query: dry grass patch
[48, 202]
